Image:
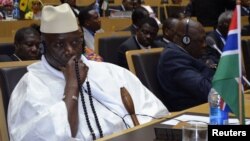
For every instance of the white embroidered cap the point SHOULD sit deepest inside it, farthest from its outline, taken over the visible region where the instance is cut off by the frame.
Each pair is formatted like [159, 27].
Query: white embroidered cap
[58, 19]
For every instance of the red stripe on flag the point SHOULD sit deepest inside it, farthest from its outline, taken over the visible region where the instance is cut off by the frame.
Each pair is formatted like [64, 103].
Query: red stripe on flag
[233, 24]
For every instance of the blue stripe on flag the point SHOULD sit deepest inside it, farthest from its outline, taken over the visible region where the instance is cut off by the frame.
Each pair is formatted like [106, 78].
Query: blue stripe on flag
[232, 43]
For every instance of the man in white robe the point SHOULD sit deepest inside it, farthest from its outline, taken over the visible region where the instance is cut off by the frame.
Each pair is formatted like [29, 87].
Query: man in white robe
[46, 104]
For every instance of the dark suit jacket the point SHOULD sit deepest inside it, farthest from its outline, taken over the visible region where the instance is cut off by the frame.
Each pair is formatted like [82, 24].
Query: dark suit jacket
[245, 31]
[211, 53]
[185, 80]
[208, 11]
[130, 44]
[245, 11]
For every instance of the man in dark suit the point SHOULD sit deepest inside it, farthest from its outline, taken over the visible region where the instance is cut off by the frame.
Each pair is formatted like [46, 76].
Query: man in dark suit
[208, 11]
[185, 80]
[245, 7]
[219, 35]
[26, 43]
[143, 39]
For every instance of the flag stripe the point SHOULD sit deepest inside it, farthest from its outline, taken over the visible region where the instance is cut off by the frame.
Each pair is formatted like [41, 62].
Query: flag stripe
[231, 43]
[228, 68]
[230, 52]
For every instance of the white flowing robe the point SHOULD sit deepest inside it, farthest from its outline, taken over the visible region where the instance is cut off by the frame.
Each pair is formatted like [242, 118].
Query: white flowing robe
[38, 113]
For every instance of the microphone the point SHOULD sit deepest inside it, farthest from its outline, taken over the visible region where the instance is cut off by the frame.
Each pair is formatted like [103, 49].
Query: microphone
[210, 42]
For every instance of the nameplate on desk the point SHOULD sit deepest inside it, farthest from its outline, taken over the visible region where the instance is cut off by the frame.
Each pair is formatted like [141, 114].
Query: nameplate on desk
[120, 14]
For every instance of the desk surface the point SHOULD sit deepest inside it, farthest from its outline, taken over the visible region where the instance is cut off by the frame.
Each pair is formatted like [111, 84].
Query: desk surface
[146, 132]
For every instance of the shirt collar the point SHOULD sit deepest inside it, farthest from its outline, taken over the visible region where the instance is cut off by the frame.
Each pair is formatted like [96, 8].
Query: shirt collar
[140, 45]
[165, 40]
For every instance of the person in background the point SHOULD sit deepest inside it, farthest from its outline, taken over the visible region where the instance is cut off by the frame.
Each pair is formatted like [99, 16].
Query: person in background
[2, 15]
[67, 97]
[138, 14]
[245, 7]
[185, 79]
[141, 12]
[26, 42]
[145, 38]
[88, 52]
[208, 11]
[90, 23]
[36, 8]
[73, 6]
[168, 30]
[7, 9]
[219, 36]
[130, 5]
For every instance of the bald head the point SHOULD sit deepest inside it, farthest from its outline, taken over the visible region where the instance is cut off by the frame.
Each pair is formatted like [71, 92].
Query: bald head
[190, 35]
[168, 28]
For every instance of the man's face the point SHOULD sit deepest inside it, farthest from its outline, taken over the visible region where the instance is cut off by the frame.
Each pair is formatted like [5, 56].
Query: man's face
[146, 34]
[61, 47]
[28, 49]
[94, 23]
[36, 6]
[197, 42]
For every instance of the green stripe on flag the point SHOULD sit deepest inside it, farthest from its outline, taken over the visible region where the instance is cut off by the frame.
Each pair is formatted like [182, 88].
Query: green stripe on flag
[228, 67]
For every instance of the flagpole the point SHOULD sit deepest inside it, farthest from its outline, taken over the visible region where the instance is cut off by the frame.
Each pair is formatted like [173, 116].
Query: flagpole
[241, 106]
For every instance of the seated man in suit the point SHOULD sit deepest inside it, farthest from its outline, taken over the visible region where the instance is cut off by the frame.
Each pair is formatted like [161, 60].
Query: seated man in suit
[208, 11]
[219, 36]
[26, 44]
[143, 39]
[90, 23]
[245, 8]
[66, 97]
[185, 80]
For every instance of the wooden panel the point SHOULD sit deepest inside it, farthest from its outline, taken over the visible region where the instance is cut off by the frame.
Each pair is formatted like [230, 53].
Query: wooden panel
[244, 20]
[8, 28]
[152, 2]
[114, 24]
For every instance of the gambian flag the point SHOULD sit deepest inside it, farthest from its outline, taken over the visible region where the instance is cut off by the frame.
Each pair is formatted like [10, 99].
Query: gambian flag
[225, 80]
[23, 5]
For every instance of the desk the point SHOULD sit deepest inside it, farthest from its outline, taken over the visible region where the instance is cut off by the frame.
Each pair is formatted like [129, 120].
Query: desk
[145, 132]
